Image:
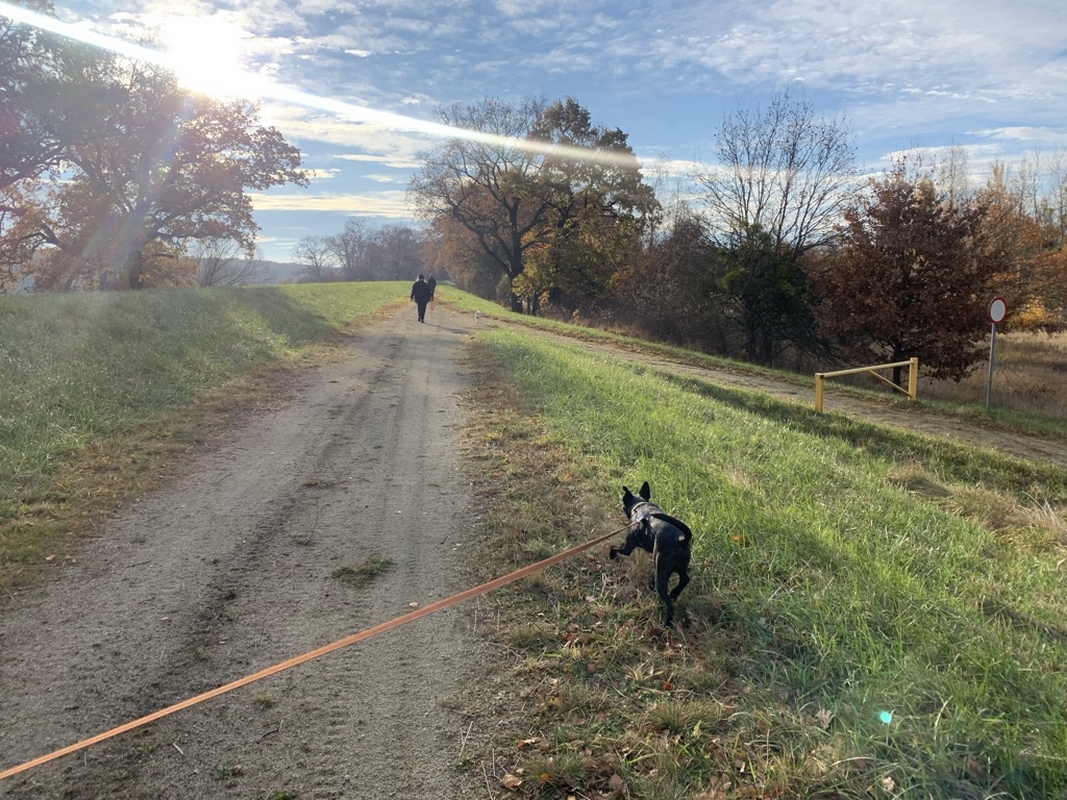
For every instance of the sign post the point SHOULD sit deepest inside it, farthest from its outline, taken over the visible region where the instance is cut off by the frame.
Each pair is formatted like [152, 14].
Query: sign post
[998, 309]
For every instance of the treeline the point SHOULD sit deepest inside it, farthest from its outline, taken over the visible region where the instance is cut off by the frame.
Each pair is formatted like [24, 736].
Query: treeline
[784, 250]
[361, 252]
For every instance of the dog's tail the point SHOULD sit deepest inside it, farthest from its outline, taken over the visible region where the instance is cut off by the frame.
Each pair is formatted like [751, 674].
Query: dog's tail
[677, 523]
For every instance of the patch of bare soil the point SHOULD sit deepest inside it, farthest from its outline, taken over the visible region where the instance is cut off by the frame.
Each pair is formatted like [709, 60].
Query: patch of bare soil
[256, 555]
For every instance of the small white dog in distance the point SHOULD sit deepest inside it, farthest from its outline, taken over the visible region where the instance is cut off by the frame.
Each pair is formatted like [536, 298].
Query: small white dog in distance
[477, 316]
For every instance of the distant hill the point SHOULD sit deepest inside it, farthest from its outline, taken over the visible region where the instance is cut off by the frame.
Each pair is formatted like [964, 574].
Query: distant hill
[279, 271]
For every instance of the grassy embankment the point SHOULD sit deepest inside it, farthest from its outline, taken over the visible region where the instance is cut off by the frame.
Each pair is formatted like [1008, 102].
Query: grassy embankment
[1029, 386]
[875, 613]
[98, 391]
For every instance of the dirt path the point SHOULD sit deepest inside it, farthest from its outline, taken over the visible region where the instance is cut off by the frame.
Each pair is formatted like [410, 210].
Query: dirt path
[240, 565]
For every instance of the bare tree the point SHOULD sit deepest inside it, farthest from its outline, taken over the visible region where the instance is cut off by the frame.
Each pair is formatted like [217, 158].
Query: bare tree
[317, 259]
[781, 183]
[955, 176]
[222, 262]
[349, 249]
[781, 170]
[1047, 200]
[395, 252]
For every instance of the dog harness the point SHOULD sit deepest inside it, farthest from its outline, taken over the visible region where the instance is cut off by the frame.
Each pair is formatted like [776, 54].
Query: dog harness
[643, 518]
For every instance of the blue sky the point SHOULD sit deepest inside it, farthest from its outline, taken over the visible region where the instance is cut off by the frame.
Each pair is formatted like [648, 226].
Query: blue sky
[989, 76]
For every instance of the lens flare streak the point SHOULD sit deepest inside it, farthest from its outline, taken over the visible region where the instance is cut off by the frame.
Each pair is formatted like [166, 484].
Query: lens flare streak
[261, 88]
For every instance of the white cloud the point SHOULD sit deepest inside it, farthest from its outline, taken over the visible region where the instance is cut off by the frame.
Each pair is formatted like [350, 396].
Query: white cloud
[1029, 136]
[390, 204]
[986, 74]
[307, 128]
[385, 161]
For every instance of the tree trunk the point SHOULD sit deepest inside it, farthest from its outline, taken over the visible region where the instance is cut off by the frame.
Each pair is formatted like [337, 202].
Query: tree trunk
[134, 268]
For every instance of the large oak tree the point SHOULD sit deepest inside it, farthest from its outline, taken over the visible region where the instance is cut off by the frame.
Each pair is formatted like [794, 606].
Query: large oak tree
[150, 169]
[599, 206]
[539, 178]
[47, 85]
[487, 186]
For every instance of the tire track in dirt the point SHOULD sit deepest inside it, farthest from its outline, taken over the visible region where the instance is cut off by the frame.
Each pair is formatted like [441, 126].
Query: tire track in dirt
[228, 570]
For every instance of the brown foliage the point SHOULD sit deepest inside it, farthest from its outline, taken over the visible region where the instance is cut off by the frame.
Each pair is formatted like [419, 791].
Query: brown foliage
[664, 293]
[913, 276]
[1033, 275]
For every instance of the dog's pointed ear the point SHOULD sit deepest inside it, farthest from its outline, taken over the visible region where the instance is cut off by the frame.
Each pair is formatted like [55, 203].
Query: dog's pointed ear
[626, 494]
[645, 491]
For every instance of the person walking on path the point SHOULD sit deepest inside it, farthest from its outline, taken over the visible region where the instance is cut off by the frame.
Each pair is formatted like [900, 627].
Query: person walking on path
[432, 283]
[421, 294]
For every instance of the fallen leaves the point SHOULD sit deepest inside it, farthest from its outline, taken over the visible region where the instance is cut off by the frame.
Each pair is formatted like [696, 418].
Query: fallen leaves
[511, 782]
[535, 742]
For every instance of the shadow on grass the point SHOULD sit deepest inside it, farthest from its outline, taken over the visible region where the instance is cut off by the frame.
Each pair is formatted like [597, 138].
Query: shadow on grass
[277, 309]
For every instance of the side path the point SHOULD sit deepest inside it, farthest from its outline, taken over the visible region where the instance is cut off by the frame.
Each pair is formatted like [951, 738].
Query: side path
[258, 554]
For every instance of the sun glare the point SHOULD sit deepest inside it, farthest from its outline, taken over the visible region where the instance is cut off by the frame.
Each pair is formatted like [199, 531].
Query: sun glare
[206, 53]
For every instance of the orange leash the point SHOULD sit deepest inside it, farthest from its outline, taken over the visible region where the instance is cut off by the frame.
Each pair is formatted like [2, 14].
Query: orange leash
[396, 622]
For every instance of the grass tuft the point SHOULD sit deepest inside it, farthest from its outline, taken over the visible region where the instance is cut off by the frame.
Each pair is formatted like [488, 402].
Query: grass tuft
[360, 575]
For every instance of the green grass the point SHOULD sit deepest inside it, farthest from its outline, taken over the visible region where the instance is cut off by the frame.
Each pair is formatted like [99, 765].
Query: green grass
[78, 366]
[84, 371]
[846, 575]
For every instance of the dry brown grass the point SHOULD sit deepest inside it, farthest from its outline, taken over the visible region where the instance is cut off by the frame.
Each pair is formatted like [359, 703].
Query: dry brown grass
[1030, 376]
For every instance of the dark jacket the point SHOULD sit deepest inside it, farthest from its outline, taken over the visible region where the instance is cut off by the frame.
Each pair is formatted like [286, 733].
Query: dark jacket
[420, 292]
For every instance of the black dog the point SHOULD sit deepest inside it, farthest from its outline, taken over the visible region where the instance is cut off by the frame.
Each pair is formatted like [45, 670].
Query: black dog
[666, 538]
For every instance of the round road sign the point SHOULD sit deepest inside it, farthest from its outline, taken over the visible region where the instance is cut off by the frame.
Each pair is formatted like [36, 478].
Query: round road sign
[998, 309]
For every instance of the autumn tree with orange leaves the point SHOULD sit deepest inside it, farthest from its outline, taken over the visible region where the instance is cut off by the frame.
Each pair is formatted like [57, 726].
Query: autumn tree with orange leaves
[1031, 232]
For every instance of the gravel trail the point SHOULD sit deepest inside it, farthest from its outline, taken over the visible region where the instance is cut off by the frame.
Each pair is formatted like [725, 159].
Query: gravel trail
[251, 558]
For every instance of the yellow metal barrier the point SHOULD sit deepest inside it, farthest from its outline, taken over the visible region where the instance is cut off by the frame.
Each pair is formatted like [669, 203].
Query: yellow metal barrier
[913, 378]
